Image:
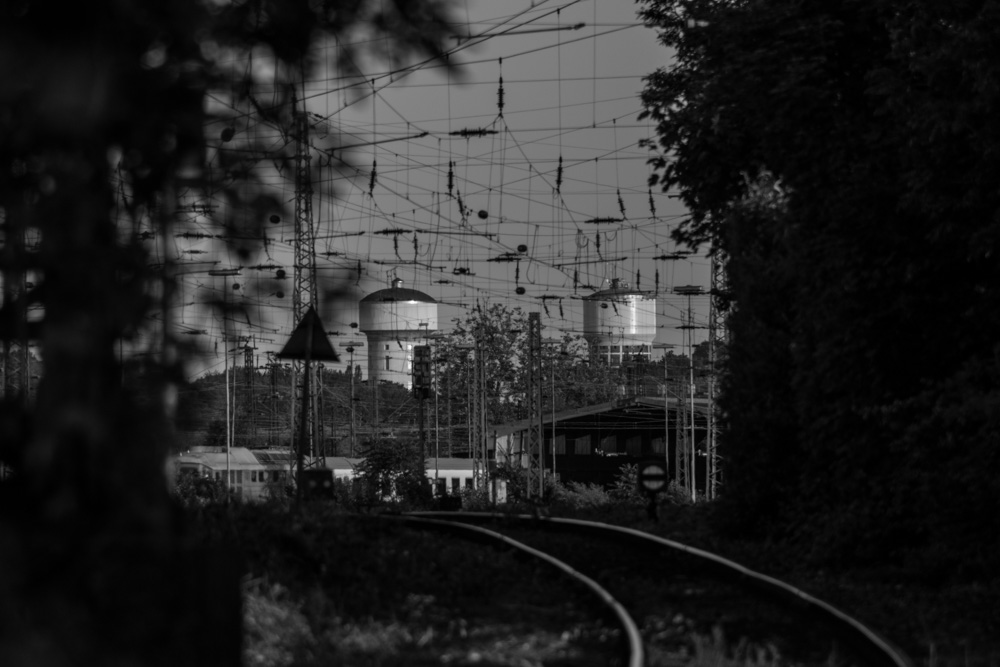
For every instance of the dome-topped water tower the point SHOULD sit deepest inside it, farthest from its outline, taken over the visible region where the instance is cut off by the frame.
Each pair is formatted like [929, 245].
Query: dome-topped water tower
[394, 320]
[619, 323]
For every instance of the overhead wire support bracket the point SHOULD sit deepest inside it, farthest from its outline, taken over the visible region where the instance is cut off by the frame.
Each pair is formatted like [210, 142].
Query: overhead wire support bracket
[472, 132]
[604, 221]
[507, 257]
[590, 261]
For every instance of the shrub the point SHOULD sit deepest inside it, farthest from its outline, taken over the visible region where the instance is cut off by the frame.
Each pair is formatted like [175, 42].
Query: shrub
[626, 487]
[578, 496]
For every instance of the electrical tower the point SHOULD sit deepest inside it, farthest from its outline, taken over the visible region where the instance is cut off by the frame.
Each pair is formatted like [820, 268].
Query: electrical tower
[304, 292]
[536, 463]
[717, 340]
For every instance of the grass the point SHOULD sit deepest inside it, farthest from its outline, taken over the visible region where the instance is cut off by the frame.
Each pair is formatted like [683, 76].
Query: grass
[323, 587]
[937, 623]
[383, 602]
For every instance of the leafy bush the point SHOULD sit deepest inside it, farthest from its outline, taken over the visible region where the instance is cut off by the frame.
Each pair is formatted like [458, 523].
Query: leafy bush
[577, 496]
[626, 486]
[392, 472]
[194, 490]
[477, 500]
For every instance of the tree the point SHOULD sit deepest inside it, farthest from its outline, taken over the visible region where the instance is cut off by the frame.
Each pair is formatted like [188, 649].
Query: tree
[834, 154]
[393, 468]
[102, 142]
[500, 335]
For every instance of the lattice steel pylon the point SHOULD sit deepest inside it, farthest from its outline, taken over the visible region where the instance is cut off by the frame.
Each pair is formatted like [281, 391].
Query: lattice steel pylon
[536, 462]
[717, 340]
[304, 276]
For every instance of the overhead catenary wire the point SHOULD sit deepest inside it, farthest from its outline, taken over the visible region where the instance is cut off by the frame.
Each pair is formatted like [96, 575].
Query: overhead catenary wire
[513, 175]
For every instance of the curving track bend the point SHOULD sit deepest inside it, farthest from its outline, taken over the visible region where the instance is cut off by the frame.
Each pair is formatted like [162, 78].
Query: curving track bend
[665, 583]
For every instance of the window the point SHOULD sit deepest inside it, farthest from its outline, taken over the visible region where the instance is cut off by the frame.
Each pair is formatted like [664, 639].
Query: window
[456, 484]
[253, 475]
[468, 482]
[387, 358]
[386, 347]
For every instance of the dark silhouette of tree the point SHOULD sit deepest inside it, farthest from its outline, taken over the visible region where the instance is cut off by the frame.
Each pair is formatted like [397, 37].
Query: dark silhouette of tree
[836, 154]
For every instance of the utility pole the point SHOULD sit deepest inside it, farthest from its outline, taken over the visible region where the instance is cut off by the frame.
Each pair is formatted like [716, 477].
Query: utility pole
[666, 406]
[422, 389]
[273, 423]
[226, 274]
[691, 447]
[350, 346]
[477, 414]
[536, 462]
[250, 371]
[717, 340]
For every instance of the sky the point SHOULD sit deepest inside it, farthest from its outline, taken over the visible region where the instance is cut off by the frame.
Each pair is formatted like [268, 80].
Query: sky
[421, 175]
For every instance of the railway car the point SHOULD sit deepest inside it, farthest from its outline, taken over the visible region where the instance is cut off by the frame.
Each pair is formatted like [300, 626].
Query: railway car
[260, 474]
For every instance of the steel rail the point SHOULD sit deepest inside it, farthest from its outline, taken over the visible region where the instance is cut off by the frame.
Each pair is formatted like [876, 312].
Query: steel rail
[876, 648]
[636, 650]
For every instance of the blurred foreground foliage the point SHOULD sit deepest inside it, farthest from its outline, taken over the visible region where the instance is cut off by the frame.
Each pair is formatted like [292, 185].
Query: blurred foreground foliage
[104, 113]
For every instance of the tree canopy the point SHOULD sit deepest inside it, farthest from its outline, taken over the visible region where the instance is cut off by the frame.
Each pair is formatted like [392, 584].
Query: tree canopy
[500, 335]
[839, 156]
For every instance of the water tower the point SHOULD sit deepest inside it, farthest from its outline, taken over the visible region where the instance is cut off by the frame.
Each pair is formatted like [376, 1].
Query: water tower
[394, 320]
[619, 324]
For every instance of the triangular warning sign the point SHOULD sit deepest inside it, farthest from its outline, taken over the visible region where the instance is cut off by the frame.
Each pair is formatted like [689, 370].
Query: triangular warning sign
[309, 337]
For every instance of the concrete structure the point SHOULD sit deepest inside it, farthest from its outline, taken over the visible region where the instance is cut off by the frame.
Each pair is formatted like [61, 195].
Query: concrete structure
[394, 320]
[619, 323]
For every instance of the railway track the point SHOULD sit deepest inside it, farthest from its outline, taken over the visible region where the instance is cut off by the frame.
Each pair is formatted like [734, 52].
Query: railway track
[673, 604]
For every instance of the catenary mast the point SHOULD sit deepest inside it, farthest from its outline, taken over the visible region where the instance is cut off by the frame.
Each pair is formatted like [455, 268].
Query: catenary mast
[304, 274]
